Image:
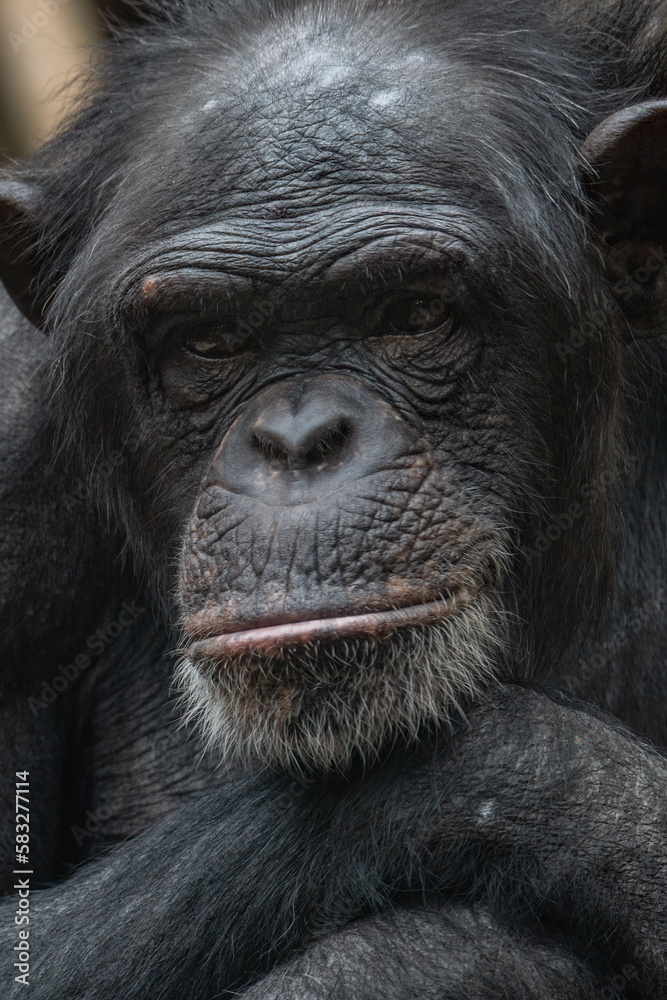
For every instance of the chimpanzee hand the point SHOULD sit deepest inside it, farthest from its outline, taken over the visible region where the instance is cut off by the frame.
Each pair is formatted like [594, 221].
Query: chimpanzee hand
[552, 816]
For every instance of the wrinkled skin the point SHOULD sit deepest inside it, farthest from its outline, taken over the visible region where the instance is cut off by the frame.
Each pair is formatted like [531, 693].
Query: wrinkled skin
[322, 356]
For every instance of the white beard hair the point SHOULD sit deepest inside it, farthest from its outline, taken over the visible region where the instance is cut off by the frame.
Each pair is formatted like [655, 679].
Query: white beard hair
[325, 706]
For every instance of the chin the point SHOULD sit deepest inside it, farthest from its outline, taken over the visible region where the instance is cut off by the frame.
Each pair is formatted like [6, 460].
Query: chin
[330, 704]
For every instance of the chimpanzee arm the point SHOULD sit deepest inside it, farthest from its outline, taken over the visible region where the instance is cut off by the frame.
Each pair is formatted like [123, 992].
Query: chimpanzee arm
[559, 813]
[451, 952]
[544, 810]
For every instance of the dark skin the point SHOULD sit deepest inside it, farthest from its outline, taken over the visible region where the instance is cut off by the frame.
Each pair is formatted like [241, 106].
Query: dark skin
[441, 329]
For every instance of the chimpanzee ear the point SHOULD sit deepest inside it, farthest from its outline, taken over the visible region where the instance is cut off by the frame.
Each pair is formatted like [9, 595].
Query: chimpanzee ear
[628, 185]
[20, 217]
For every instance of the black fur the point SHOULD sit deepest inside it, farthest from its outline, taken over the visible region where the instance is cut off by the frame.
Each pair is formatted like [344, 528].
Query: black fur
[525, 850]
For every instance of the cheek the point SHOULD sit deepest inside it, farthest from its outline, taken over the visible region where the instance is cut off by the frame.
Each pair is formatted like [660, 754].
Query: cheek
[426, 370]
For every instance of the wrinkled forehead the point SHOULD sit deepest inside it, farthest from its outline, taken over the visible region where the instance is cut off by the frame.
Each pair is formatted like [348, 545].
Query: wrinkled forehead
[311, 121]
[319, 111]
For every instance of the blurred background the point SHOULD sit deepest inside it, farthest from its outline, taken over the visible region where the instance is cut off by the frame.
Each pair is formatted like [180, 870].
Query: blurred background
[43, 46]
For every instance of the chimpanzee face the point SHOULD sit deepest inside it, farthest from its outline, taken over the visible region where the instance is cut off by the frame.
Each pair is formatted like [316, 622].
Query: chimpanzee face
[343, 368]
[338, 291]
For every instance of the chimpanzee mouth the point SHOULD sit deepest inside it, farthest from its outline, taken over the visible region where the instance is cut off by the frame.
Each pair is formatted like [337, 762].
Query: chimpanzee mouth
[268, 640]
[319, 695]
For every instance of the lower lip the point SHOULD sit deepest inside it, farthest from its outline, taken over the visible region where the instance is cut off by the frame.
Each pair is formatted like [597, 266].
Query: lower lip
[274, 638]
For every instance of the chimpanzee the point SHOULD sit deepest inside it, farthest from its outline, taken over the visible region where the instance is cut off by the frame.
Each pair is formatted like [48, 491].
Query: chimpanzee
[353, 390]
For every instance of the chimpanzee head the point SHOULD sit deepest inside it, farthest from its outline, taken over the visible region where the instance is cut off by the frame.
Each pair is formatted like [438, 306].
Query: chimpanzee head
[323, 274]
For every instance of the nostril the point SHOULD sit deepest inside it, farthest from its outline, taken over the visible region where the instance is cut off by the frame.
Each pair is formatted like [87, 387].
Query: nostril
[330, 443]
[271, 450]
[300, 440]
[314, 447]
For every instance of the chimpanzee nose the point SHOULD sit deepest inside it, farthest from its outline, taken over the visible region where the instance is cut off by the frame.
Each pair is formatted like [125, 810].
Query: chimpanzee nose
[303, 438]
[312, 439]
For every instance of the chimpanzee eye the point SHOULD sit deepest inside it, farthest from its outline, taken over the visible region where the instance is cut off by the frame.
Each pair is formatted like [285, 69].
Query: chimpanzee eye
[416, 313]
[219, 339]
